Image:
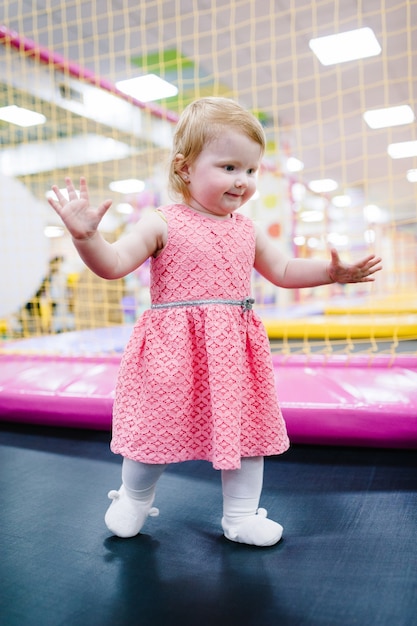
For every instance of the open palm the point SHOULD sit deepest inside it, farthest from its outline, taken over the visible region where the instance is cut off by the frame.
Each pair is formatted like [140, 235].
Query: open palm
[360, 272]
[80, 218]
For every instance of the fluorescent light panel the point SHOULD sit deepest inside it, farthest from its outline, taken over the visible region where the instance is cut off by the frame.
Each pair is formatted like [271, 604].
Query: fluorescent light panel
[412, 176]
[312, 216]
[322, 186]
[402, 149]
[20, 116]
[53, 232]
[374, 214]
[294, 165]
[147, 88]
[348, 46]
[299, 240]
[342, 201]
[125, 208]
[390, 116]
[337, 239]
[130, 185]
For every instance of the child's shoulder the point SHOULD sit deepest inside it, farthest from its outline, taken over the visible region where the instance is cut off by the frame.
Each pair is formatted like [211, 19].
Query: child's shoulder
[166, 210]
[173, 207]
[244, 221]
[243, 218]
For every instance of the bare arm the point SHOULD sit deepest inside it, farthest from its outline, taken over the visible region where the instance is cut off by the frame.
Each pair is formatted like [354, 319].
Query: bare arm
[104, 259]
[291, 273]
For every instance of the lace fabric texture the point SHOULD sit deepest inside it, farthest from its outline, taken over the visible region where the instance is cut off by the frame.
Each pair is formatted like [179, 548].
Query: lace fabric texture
[196, 382]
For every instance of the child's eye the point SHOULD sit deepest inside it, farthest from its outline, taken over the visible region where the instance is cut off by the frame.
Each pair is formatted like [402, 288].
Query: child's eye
[251, 171]
[229, 168]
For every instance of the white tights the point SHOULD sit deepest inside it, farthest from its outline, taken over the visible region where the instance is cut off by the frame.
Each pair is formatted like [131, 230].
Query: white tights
[139, 479]
[241, 487]
[242, 521]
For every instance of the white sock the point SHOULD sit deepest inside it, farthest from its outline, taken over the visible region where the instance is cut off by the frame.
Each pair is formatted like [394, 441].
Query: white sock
[242, 521]
[242, 489]
[139, 479]
[132, 503]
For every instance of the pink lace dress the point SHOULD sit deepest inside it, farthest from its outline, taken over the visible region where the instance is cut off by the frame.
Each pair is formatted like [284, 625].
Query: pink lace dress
[196, 379]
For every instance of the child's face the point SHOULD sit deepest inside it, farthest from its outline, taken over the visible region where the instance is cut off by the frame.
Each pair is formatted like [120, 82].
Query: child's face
[223, 177]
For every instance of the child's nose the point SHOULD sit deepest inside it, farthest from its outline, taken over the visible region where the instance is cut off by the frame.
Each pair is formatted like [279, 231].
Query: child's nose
[241, 181]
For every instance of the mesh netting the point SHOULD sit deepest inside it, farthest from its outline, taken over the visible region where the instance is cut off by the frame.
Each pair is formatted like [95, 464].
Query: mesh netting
[63, 60]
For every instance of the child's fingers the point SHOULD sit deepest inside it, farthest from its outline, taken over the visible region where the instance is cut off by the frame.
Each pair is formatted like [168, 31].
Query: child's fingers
[103, 208]
[83, 188]
[72, 194]
[55, 203]
[371, 260]
[374, 264]
[58, 194]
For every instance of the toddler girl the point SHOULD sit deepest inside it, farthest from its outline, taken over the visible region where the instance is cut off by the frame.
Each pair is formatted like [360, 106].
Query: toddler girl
[196, 379]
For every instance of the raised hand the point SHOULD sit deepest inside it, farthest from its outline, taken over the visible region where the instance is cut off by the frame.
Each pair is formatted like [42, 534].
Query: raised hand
[360, 272]
[79, 217]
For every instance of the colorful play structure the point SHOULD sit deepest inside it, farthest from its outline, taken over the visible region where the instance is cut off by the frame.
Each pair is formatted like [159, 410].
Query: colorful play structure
[359, 399]
[334, 397]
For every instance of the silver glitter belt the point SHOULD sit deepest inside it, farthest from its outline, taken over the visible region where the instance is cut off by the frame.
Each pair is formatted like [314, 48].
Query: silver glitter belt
[246, 303]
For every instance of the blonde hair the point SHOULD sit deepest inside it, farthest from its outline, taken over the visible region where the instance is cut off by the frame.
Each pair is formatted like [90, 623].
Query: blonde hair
[200, 123]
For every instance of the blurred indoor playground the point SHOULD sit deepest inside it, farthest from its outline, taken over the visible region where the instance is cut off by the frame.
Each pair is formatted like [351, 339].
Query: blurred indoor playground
[340, 170]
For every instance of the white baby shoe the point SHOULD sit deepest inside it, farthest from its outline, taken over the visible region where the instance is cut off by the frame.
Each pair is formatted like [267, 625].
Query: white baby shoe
[126, 516]
[254, 530]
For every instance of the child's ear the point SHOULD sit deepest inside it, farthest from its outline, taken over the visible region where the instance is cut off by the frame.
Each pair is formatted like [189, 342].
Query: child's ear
[181, 167]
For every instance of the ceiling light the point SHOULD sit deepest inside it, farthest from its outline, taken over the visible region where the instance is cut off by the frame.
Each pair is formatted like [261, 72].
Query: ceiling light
[313, 242]
[348, 46]
[322, 186]
[391, 116]
[341, 201]
[412, 176]
[294, 165]
[403, 149]
[130, 185]
[312, 216]
[369, 236]
[125, 208]
[337, 239]
[147, 88]
[52, 232]
[298, 192]
[299, 240]
[20, 116]
[373, 214]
